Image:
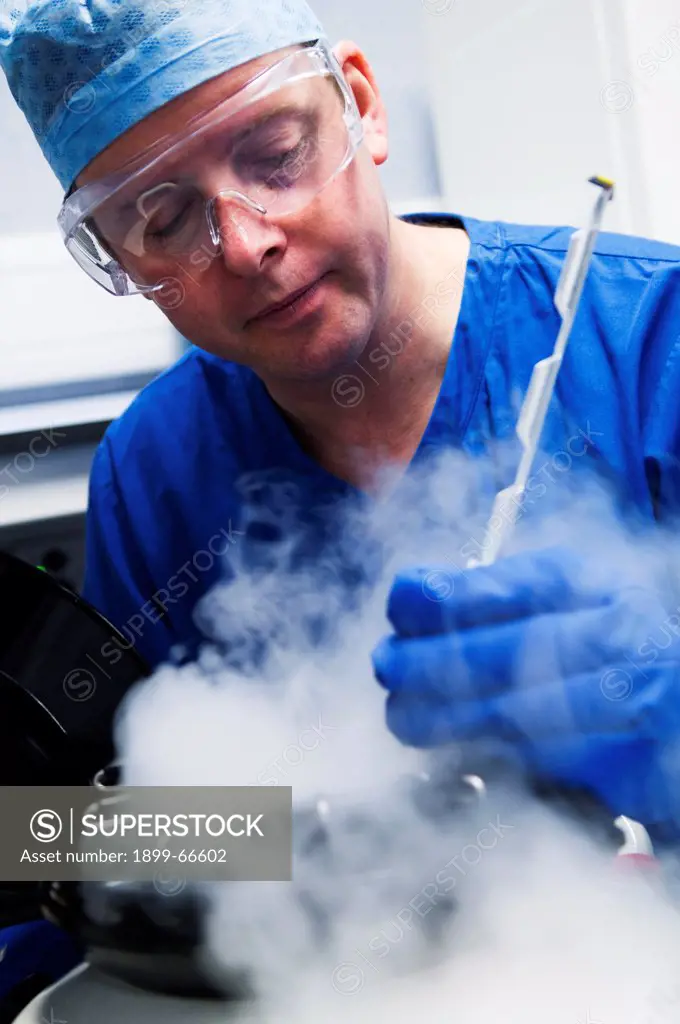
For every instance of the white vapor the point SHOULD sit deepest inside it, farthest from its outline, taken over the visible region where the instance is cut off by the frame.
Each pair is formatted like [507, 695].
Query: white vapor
[546, 927]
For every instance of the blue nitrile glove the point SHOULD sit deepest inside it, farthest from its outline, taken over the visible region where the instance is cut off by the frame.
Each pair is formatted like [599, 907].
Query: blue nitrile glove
[34, 949]
[575, 675]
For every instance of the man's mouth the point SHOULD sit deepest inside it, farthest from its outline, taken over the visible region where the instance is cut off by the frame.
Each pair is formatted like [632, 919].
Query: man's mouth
[288, 303]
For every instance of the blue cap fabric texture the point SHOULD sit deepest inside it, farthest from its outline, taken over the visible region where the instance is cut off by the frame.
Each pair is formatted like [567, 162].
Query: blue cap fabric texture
[85, 71]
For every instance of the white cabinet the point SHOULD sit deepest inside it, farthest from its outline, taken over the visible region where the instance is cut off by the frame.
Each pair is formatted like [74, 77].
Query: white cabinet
[58, 326]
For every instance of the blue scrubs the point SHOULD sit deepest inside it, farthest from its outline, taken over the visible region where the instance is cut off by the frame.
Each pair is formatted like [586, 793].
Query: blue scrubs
[203, 457]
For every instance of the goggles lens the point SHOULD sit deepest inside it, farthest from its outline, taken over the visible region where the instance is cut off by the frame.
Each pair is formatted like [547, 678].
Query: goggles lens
[269, 157]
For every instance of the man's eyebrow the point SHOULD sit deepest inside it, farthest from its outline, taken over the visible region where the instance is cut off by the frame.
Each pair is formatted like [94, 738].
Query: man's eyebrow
[284, 109]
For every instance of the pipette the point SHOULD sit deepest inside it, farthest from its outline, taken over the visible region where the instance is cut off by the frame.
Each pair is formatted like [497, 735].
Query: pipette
[531, 422]
[508, 502]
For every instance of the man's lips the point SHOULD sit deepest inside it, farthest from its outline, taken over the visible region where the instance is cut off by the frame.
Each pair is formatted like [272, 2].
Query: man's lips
[284, 303]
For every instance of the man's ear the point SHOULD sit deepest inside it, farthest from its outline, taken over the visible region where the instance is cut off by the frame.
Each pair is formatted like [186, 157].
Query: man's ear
[361, 80]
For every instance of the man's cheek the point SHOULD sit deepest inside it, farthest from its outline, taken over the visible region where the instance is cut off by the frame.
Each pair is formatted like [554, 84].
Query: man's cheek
[207, 315]
[201, 261]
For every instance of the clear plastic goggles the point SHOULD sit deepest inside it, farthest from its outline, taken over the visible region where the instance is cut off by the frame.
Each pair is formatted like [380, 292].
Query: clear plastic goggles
[267, 151]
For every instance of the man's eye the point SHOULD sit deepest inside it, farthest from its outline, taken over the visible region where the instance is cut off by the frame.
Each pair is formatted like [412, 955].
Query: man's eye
[277, 159]
[281, 162]
[160, 230]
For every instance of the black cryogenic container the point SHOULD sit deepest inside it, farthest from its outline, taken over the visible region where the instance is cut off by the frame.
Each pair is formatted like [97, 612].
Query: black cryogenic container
[63, 673]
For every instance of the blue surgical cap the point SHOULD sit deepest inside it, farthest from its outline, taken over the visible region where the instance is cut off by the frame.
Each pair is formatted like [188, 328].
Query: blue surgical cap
[84, 71]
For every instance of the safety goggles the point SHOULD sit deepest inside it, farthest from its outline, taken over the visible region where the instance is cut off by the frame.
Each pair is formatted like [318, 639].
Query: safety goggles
[268, 151]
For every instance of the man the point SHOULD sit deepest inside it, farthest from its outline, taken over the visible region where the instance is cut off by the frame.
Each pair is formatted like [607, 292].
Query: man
[217, 160]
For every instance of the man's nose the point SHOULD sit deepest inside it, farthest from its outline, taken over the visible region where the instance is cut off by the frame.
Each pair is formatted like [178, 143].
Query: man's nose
[242, 232]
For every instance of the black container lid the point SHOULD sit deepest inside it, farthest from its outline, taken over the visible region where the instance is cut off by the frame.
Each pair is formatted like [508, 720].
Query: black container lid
[64, 670]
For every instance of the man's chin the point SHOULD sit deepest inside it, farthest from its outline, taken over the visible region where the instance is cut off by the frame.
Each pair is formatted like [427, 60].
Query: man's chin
[312, 357]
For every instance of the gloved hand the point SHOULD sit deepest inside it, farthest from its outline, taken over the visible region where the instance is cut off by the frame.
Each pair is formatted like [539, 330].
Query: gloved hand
[578, 676]
[33, 955]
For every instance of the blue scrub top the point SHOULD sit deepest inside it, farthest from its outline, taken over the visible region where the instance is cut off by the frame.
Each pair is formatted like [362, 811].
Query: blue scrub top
[203, 461]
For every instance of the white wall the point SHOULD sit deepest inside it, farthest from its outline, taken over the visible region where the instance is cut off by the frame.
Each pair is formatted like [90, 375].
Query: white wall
[653, 30]
[532, 97]
[391, 34]
[29, 193]
[56, 326]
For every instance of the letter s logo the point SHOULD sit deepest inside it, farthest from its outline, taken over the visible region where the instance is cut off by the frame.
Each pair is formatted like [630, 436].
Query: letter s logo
[46, 826]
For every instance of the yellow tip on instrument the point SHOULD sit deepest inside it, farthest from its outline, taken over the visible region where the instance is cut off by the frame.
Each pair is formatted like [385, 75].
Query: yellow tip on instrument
[605, 183]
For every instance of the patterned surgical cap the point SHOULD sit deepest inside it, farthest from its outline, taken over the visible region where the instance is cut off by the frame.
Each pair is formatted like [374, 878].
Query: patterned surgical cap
[84, 71]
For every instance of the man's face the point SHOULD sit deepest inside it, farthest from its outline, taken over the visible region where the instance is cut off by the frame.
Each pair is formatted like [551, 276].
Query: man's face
[334, 249]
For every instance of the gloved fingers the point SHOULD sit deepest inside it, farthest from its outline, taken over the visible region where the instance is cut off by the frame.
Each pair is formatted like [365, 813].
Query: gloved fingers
[478, 663]
[433, 669]
[424, 602]
[584, 705]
